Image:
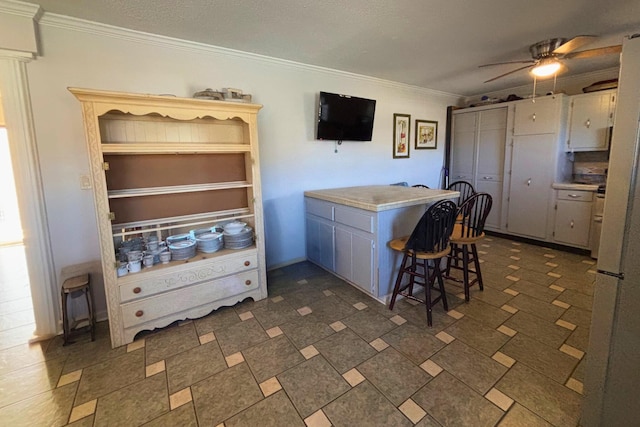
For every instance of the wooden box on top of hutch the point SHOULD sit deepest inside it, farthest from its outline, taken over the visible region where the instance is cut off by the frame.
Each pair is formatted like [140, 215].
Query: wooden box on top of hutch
[165, 166]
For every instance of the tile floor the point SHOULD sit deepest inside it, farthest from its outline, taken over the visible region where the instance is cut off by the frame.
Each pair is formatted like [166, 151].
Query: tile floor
[318, 352]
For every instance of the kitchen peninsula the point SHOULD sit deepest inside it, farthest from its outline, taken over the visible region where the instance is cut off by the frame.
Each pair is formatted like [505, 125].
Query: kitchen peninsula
[347, 230]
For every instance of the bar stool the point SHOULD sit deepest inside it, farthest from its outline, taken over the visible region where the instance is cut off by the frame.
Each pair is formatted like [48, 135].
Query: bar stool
[472, 215]
[70, 286]
[429, 241]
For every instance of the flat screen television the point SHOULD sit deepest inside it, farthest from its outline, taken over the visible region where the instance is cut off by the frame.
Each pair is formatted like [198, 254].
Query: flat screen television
[345, 118]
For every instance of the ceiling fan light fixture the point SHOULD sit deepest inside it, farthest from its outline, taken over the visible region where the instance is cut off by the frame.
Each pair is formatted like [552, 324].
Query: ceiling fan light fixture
[546, 67]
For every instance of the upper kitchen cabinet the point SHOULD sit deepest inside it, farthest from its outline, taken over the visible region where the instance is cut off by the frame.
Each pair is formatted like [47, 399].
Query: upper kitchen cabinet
[591, 117]
[463, 146]
[537, 160]
[536, 116]
[477, 153]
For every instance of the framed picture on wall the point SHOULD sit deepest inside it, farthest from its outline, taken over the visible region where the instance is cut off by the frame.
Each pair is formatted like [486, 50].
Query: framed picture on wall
[401, 125]
[426, 135]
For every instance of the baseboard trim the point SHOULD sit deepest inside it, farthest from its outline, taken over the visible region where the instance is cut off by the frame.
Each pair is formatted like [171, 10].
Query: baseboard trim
[541, 243]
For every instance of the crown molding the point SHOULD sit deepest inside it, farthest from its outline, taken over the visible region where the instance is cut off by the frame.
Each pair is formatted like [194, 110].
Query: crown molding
[16, 55]
[27, 10]
[95, 28]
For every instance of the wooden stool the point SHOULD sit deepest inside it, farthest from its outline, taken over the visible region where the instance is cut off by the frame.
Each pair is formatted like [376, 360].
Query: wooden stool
[428, 242]
[473, 214]
[71, 285]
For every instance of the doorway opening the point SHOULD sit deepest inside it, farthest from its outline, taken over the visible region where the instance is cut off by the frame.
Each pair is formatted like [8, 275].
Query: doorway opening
[17, 322]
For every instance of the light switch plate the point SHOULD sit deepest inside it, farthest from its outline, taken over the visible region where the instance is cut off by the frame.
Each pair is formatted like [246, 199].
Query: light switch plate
[85, 182]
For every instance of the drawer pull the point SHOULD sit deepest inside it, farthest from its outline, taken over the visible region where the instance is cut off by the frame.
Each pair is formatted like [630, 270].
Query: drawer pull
[247, 282]
[534, 117]
[139, 313]
[573, 196]
[572, 224]
[137, 290]
[487, 177]
[588, 123]
[247, 263]
[529, 182]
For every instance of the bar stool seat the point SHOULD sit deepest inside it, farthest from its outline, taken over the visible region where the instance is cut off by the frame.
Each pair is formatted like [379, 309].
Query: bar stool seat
[81, 283]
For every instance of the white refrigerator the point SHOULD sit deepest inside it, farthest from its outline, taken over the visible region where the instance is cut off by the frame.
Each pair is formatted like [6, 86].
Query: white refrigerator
[612, 379]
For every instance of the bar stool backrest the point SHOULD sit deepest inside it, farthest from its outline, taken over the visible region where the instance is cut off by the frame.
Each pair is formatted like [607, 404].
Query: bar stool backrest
[473, 214]
[465, 188]
[433, 231]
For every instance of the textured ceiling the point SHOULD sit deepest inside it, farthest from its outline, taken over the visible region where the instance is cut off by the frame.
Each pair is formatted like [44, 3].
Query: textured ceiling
[434, 44]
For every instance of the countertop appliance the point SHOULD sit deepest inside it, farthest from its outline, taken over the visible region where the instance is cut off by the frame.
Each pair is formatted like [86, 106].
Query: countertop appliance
[612, 380]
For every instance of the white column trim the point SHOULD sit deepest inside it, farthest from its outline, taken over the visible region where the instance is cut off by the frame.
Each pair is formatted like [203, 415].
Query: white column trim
[14, 87]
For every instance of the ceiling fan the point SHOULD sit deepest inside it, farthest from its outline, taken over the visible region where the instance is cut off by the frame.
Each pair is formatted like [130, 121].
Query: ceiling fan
[547, 55]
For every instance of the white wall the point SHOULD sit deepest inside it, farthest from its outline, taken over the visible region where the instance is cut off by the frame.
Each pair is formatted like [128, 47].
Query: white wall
[79, 54]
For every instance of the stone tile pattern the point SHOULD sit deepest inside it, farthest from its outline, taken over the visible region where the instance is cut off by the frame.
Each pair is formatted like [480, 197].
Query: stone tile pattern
[348, 378]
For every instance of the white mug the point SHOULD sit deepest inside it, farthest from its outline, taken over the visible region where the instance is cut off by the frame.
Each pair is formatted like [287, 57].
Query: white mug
[123, 270]
[165, 257]
[148, 260]
[135, 266]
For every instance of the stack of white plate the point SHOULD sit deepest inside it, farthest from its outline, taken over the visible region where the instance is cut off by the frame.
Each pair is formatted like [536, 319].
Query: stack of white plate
[209, 242]
[238, 240]
[183, 249]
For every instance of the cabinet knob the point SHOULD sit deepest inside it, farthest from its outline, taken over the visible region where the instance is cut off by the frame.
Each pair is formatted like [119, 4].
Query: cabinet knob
[247, 282]
[247, 263]
[139, 313]
[588, 123]
[533, 117]
[572, 224]
[137, 290]
[529, 182]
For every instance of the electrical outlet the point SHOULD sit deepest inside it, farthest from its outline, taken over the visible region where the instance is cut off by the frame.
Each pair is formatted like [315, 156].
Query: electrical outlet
[85, 182]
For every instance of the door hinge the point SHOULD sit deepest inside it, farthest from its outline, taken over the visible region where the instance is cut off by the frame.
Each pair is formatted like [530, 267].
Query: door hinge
[112, 216]
[105, 166]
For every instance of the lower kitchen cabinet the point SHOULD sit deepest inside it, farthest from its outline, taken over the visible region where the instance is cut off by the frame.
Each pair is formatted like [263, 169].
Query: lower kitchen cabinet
[494, 188]
[352, 243]
[573, 218]
[320, 242]
[354, 258]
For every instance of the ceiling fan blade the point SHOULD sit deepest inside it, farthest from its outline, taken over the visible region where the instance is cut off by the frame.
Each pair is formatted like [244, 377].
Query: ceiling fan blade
[594, 52]
[573, 44]
[510, 72]
[530, 61]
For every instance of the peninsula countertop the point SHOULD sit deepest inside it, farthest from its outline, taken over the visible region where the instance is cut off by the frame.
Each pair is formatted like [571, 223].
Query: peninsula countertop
[379, 198]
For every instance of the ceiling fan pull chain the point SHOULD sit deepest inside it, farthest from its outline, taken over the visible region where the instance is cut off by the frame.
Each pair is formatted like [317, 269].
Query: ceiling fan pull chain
[533, 98]
[555, 79]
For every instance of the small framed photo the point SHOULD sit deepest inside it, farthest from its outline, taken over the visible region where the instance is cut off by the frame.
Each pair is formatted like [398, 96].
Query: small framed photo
[401, 127]
[426, 135]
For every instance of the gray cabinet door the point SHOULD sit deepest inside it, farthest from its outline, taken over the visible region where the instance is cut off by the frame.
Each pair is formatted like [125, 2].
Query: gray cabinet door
[320, 243]
[573, 221]
[355, 258]
[463, 146]
[532, 169]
